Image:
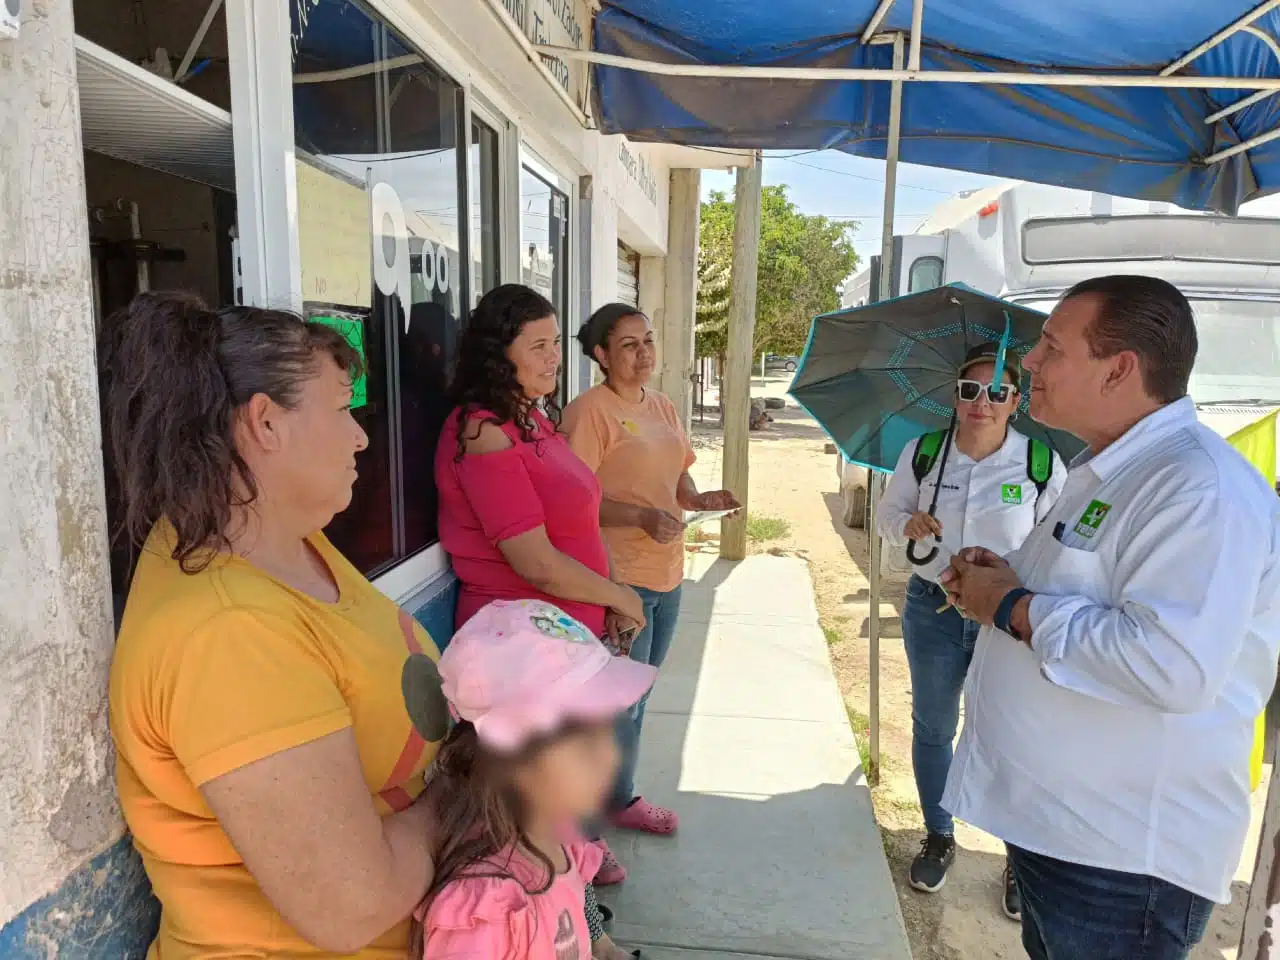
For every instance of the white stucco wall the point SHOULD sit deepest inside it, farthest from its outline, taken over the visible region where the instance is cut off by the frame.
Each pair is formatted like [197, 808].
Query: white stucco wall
[639, 181]
[57, 801]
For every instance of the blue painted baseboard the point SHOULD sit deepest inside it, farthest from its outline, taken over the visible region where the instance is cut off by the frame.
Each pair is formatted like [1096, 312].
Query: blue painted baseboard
[434, 607]
[103, 911]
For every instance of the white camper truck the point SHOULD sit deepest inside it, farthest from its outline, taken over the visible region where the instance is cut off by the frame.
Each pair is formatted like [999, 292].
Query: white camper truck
[1030, 244]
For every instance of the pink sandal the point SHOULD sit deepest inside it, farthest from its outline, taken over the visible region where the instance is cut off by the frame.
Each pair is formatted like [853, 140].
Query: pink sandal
[611, 872]
[644, 816]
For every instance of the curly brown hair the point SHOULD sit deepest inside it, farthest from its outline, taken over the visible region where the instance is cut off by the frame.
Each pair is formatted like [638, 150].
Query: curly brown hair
[484, 378]
[174, 375]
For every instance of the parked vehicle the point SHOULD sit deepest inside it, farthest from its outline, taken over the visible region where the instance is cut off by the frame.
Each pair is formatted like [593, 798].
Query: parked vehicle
[1030, 243]
[774, 362]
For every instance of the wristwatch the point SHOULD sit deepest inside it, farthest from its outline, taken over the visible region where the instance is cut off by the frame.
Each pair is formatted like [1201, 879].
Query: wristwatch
[1003, 619]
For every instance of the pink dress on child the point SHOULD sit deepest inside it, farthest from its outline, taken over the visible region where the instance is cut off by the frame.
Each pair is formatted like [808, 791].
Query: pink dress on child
[487, 918]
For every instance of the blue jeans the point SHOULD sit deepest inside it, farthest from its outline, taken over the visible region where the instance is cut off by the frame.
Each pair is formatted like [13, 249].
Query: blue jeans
[1072, 912]
[939, 647]
[661, 611]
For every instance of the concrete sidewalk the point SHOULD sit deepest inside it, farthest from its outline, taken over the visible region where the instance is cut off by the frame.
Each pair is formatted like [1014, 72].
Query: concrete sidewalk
[778, 856]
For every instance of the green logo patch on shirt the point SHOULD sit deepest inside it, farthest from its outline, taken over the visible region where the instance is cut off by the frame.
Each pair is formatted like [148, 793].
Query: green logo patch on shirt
[1011, 493]
[1092, 519]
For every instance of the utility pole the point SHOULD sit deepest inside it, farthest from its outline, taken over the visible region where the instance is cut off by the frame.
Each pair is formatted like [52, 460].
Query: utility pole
[736, 386]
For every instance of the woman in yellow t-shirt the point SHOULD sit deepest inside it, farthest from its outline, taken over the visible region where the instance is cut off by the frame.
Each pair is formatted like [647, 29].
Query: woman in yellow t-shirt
[267, 763]
[631, 437]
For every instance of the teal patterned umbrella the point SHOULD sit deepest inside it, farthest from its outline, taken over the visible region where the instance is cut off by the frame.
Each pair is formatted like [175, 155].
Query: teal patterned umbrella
[877, 377]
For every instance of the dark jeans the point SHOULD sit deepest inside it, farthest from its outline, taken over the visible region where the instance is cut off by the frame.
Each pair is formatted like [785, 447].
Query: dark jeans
[661, 611]
[939, 647]
[1072, 912]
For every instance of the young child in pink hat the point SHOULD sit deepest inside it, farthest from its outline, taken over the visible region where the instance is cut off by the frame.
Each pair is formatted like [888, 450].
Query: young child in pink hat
[534, 696]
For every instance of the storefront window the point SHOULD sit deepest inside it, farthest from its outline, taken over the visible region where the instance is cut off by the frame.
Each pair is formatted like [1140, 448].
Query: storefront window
[485, 228]
[381, 184]
[544, 245]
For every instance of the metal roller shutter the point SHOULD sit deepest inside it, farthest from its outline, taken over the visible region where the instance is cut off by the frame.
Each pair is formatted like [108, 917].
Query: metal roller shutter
[628, 276]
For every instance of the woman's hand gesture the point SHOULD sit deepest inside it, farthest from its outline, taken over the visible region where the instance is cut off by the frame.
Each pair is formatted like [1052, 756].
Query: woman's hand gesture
[661, 526]
[627, 603]
[714, 500]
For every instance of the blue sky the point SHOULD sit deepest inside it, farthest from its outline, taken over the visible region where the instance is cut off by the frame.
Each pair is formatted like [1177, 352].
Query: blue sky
[839, 185]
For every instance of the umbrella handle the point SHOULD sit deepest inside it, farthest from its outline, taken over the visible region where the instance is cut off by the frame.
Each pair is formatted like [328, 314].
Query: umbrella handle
[919, 561]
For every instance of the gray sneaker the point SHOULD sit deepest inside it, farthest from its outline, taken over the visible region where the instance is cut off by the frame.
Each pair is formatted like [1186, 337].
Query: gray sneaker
[1011, 902]
[929, 869]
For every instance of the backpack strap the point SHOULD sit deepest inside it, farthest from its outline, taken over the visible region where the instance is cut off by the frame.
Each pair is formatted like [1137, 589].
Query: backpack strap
[1039, 464]
[927, 449]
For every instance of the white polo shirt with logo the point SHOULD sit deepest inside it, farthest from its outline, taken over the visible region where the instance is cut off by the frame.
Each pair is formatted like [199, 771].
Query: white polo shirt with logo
[1121, 738]
[991, 502]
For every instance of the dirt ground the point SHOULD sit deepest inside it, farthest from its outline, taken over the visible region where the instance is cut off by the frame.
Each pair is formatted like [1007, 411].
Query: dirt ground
[793, 479]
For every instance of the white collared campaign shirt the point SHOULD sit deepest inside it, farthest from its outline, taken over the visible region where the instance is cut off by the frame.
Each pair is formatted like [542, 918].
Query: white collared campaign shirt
[1121, 738]
[990, 503]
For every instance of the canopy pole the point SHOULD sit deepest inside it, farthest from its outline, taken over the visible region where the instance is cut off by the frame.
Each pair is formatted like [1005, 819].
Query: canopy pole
[1249, 144]
[917, 36]
[983, 78]
[873, 481]
[1262, 909]
[1253, 98]
[1226, 33]
[194, 47]
[736, 385]
[877, 18]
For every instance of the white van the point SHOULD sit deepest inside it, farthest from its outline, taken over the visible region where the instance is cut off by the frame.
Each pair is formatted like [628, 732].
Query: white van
[1030, 244]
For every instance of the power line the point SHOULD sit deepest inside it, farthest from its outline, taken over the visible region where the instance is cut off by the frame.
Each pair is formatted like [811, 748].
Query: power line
[875, 216]
[858, 176]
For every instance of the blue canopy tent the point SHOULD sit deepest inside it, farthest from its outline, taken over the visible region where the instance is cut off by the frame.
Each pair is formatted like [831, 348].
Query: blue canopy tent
[1170, 101]
[737, 73]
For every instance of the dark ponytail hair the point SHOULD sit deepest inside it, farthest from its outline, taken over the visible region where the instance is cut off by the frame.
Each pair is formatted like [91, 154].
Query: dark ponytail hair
[174, 374]
[599, 327]
[484, 378]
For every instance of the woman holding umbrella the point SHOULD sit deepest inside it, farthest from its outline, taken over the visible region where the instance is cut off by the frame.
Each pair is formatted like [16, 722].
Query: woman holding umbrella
[978, 483]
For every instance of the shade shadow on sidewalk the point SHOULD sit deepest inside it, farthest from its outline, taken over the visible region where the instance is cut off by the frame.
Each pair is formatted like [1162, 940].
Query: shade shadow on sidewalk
[778, 855]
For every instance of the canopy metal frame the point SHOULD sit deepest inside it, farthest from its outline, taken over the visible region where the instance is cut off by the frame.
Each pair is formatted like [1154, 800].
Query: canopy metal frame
[1168, 78]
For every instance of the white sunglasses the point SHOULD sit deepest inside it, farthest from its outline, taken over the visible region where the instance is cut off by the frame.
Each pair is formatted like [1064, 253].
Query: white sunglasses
[970, 390]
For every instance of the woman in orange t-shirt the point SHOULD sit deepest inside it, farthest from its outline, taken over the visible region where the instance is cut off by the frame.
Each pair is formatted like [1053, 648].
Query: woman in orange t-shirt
[631, 437]
[266, 760]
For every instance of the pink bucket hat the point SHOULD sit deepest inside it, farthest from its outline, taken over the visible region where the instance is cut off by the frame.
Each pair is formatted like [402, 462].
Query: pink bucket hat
[520, 669]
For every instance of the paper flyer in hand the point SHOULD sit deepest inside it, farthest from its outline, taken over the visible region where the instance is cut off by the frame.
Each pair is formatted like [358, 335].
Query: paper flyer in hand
[695, 517]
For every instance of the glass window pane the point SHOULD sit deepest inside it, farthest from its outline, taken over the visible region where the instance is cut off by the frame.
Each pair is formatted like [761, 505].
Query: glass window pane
[544, 244]
[926, 273]
[372, 114]
[485, 232]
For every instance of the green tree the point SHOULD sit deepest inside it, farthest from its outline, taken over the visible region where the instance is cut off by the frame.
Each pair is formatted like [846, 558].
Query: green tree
[803, 261]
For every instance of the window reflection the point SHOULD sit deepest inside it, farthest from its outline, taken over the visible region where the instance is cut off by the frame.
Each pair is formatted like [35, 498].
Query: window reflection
[544, 245]
[372, 114]
[485, 233]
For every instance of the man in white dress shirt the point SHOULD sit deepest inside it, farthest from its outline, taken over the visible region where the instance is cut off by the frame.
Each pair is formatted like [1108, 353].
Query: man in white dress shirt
[1128, 646]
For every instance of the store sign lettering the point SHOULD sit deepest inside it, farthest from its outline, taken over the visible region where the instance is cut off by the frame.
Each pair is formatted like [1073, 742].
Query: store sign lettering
[637, 168]
[559, 23]
[300, 18]
[392, 263]
[556, 22]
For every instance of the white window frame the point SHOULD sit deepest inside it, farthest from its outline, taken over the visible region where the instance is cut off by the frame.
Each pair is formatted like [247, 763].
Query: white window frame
[480, 108]
[535, 160]
[263, 134]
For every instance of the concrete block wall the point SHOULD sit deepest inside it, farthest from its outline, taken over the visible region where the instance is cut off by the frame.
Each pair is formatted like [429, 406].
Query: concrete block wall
[59, 823]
